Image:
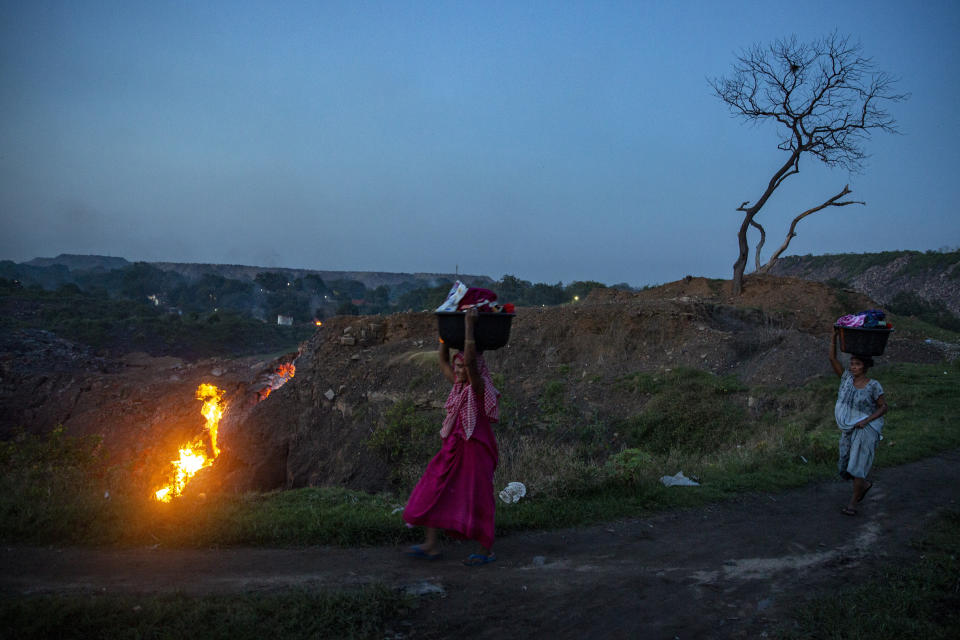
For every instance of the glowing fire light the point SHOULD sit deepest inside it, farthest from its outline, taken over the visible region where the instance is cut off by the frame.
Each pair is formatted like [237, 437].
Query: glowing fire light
[192, 457]
[280, 376]
[318, 323]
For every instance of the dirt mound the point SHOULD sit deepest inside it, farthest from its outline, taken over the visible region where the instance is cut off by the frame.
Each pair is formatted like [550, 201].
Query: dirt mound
[813, 305]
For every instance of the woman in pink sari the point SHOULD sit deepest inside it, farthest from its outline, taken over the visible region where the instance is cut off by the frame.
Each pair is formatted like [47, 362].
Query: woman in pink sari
[456, 491]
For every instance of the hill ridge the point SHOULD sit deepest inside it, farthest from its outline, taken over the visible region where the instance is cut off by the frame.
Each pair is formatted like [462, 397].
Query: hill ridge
[933, 277]
[370, 279]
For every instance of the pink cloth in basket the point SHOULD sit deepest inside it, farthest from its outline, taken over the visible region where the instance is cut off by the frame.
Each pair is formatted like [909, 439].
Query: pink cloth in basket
[851, 320]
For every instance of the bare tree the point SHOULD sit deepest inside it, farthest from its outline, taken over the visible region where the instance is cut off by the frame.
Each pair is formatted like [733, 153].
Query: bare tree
[825, 99]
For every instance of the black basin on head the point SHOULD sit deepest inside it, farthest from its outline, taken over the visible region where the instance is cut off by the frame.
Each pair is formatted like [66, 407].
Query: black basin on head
[863, 342]
[492, 330]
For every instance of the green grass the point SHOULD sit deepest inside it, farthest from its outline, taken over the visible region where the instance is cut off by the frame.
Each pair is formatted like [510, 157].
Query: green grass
[689, 410]
[919, 600]
[578, 468]
[362, 613]
[287, 518]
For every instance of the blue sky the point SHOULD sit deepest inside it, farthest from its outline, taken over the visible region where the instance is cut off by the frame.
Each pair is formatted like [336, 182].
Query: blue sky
[554, 141]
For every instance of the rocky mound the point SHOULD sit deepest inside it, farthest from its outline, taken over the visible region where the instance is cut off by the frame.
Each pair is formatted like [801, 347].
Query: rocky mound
[934, 277]
[315, 429]
[355, 369]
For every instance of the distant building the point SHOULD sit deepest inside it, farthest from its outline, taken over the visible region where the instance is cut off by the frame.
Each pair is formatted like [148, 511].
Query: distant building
[285, 320]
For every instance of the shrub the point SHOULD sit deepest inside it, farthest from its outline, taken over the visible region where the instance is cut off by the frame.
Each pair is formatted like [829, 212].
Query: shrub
[935, 312]
[55, 487]
[629, 466]
[407, 437]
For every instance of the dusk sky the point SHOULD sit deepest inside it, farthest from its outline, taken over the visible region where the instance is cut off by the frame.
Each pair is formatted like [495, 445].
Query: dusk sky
[554, 141]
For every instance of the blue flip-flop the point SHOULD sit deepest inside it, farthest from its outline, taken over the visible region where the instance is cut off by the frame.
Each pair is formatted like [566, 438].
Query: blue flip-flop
[477, 559]
[416, 551]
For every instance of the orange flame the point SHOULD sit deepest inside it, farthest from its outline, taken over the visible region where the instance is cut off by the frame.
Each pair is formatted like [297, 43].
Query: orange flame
[192, 457]
[280, 376]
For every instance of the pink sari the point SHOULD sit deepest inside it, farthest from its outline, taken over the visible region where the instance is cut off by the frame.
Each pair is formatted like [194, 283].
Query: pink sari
[455, 492]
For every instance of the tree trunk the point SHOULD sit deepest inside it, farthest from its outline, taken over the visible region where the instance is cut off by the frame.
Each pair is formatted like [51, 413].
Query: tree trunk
[741, 264]
[788, 169]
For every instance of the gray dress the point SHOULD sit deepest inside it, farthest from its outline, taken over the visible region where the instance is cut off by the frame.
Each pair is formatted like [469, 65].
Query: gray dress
[857, 446]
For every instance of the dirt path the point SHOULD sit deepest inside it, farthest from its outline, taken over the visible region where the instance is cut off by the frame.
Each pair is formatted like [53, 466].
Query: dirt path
[724, 571]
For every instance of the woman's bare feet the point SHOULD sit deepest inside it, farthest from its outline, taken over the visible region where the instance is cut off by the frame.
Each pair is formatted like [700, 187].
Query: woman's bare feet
[860, 488]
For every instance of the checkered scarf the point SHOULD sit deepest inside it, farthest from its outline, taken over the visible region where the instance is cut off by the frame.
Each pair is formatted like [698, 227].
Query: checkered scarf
[462, 402]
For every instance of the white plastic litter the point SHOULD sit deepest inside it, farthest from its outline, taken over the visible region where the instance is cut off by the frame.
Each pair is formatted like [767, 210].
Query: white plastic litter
[513, 492]
[457, 291]
[678, 480]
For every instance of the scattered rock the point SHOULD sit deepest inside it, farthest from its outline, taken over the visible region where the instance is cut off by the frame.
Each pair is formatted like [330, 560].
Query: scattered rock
[424, 589]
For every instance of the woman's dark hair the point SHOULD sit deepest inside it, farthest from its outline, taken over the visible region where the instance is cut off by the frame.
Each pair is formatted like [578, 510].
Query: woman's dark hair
[867, 361]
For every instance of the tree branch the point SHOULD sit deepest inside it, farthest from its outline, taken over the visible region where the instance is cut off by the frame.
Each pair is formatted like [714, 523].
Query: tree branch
[792, 233]
[763, 239]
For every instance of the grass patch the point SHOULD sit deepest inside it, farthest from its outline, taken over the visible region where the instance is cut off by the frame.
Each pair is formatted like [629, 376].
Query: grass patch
[689, 410]
[300, 517]
[921, 600]
[53, 488]
[362, 613]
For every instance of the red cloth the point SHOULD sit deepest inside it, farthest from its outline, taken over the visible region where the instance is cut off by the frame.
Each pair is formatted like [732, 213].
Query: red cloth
[456, 491]
[480, 298]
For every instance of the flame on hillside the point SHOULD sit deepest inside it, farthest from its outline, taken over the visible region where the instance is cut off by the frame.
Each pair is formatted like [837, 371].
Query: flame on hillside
[193, 456]
[280, 376]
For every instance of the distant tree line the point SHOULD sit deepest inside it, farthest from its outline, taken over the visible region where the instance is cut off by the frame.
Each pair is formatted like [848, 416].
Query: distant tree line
[522, 293]
[271, 293]
[117, 325]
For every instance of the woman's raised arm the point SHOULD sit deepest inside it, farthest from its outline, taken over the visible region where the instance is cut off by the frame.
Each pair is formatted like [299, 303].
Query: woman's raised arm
[837, 367]
[443, 359]
[470, 353]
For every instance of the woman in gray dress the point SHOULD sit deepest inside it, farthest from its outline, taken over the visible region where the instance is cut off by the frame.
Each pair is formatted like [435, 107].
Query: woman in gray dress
[859, 414]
